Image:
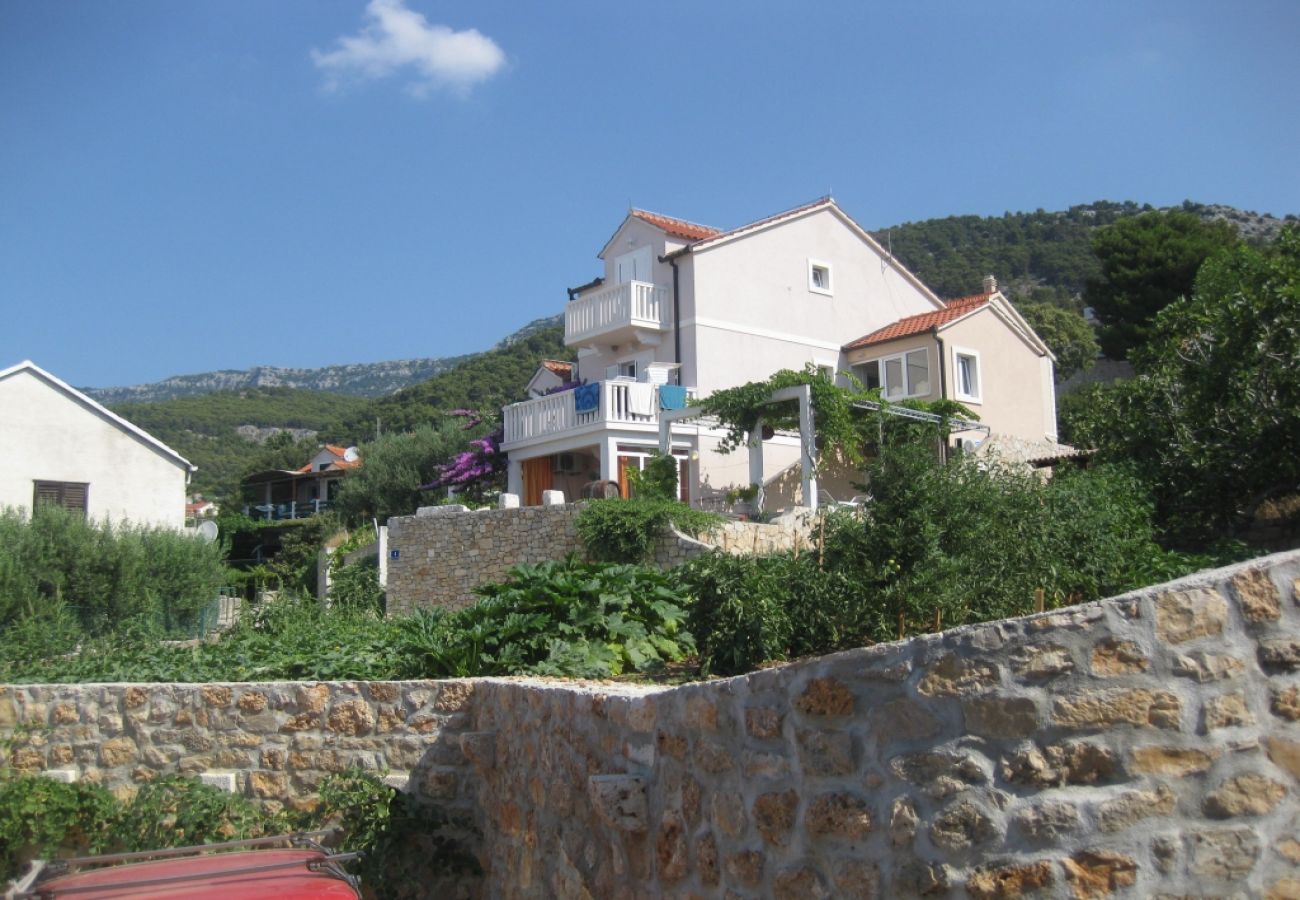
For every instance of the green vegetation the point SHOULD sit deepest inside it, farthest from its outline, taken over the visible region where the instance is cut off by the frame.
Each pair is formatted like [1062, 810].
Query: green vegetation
[404, 840]
[1212, 422]
[1144, 264]
[617, 530]
[62, 577]
[203, 429]
[394, 467]
[559, 618]
[1067, 333]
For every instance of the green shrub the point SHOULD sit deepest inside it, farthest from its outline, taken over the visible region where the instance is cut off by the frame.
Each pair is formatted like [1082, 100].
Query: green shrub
[44, 818]
[101, 575]
[627, 530]
[405, 841]
[657, 481]
[559, 618]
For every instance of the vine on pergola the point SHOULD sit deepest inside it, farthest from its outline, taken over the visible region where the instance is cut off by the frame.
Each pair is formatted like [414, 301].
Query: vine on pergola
[837, 423]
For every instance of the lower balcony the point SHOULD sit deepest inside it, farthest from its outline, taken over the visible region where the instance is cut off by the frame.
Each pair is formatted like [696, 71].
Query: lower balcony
[591, 407]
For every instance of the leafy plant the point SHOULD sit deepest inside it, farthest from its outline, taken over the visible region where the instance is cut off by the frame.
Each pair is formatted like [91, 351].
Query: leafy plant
[617, 530]
[657, 481]
[43, 818]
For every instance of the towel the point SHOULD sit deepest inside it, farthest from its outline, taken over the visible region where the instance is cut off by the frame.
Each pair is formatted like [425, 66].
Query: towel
[672, 396]
[641, 399]
[586, 398]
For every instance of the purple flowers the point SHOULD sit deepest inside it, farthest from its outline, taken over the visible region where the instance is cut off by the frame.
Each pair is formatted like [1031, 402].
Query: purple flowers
[477, 469]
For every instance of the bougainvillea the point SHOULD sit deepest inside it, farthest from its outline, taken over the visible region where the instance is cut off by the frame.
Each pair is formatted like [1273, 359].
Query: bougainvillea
[477, 470]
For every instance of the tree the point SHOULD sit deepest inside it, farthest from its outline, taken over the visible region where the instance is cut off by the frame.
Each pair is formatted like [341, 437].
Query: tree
[392, 470]
[1067, 333]
[1147, 262]
[1213, 418]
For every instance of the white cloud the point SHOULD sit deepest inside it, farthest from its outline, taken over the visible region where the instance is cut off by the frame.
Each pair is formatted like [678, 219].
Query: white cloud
[396, 39]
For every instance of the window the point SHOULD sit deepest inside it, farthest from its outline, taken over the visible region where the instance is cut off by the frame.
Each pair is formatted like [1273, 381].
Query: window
[68, 494]
[819, 276]
[966, 374]
[904, 375]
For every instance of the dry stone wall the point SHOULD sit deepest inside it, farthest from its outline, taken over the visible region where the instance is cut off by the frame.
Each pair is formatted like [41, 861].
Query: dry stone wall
[1145, 746]
[442, 558]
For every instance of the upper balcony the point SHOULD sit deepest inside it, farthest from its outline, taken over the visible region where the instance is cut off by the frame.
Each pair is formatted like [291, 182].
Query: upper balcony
[634, 311]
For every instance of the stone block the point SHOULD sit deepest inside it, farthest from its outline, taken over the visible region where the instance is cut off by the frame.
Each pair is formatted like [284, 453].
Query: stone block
[552, 498]
[729, 812]
[670, 849]
[801, 882]
[1284, 702]
[1279, 655]
[826, 753]
[620, 801]
[1284, 754]
[1250, 794]
[774, 815]
[962, 826]
[1016, 880]
[940, 773]
[745, 868]
[1201, 666]
[902, 720]
[226, 781]
[1113, 657]
[763, 722]
[1257, 596]
[952, 676]
[1139, 707]
[1227, 854]
[1226, 711]
[1042, 662]
[1175, 761]
[1047, 822]
[838, 814]
[856, 879]
[1183, 616]
[1099, 873]
[508, 501]
[902, 822]
[1062, 764]
[825, 697]
[1129, 808]
[996, 716]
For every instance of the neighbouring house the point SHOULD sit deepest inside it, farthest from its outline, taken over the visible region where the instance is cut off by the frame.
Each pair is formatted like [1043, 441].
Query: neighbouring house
[551, 375]
[682, 310]
[62, 447]
[199, 508]
[302, 492]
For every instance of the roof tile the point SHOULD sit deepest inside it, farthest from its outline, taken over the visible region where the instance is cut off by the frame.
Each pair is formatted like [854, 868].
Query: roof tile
[677, 227]
[922, 322]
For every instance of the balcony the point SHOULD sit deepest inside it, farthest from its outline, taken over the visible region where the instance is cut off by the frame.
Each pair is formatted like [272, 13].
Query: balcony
[623, 404]
[634, 311]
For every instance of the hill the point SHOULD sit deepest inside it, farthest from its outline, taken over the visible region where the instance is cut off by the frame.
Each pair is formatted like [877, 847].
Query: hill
[351, 380]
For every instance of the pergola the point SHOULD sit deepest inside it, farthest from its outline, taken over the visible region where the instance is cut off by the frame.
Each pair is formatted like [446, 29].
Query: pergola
[807, 443]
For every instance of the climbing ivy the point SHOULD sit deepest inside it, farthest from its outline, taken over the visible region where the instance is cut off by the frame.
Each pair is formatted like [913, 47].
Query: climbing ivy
[837, 424]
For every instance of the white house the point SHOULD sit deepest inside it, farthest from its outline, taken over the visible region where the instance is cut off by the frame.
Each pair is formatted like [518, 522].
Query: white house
[685, 305]
[63, 447]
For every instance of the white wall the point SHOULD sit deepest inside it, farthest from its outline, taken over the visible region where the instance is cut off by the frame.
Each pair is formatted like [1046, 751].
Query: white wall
[50, 436]
[751, 310]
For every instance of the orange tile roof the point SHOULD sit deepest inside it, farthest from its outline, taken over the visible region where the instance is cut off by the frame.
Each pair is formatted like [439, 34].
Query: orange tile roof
[562, 369]
[923, 322]
[677, 227]
[821, 201]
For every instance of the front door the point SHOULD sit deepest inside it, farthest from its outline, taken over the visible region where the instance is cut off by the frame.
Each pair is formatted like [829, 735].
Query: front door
[539, 475]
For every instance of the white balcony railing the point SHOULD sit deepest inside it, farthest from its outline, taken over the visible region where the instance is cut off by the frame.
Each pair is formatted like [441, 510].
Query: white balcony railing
[622, 307]
[621, 403]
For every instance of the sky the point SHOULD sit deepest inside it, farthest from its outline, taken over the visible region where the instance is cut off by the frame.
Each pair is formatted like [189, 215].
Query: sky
[219, 184]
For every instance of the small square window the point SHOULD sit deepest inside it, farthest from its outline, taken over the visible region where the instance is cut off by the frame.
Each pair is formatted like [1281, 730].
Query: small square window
[819, 276]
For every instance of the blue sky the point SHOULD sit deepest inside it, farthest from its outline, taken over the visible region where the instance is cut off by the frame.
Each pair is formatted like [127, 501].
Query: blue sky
[202, 185]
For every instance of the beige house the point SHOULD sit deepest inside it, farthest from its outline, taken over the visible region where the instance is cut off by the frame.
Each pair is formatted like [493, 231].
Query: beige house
[62, 447]
[681, 310]
[303, 492]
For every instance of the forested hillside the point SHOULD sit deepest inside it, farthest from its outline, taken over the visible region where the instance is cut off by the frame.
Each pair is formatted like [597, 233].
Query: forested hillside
[206, 429]
[1037, 256]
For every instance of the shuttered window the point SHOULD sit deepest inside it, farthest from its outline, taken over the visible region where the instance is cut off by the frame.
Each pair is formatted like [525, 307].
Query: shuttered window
[68, 494]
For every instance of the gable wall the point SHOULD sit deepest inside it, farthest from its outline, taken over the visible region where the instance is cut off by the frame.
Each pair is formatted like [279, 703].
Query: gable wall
[1016, 385]
[751, 312]
[49, 436]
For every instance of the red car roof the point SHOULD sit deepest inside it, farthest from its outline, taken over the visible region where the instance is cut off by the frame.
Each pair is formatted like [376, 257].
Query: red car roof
[282, 874]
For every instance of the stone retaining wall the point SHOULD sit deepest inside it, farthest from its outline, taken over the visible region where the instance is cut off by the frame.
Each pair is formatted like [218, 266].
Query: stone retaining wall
[273, 742]
[1145, 746]
[442, 558]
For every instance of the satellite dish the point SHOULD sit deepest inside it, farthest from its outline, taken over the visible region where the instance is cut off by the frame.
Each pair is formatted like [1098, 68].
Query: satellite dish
[207, 530]
[351, 455]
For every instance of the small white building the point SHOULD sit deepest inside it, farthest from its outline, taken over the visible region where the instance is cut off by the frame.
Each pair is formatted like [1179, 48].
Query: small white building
[682, 310]
[62, 447]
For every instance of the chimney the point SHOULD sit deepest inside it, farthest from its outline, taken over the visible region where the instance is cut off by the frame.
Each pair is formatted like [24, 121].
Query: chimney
[990, 284]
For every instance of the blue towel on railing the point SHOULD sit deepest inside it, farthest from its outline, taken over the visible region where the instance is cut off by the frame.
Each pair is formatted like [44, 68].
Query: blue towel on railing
[672, 396]
[586, 398]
